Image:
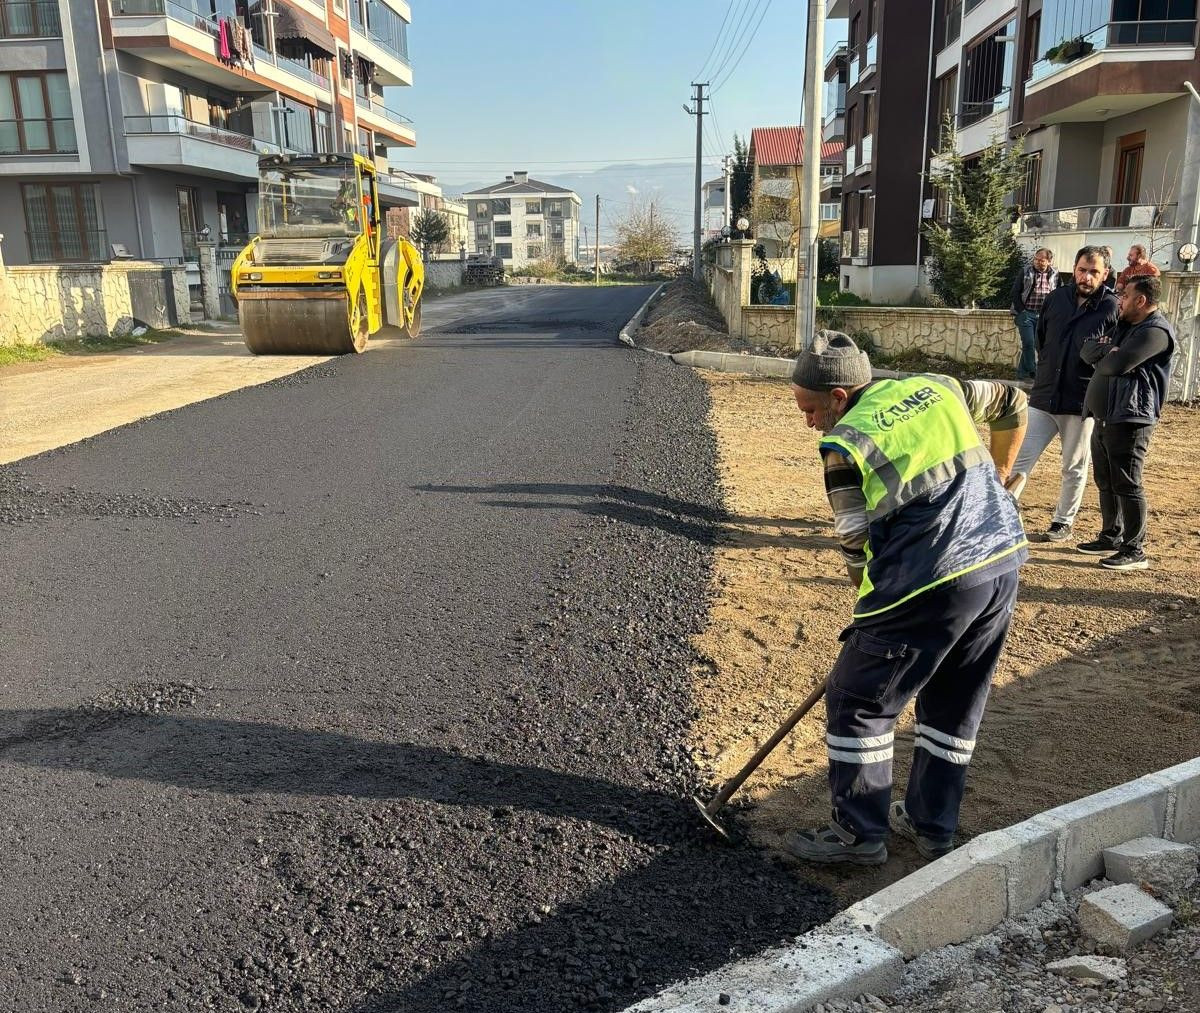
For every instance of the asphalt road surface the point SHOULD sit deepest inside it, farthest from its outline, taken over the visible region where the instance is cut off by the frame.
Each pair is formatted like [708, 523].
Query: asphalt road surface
[366, 689]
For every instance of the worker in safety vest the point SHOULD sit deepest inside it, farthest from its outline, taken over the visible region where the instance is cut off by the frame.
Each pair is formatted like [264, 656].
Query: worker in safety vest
[933, 542]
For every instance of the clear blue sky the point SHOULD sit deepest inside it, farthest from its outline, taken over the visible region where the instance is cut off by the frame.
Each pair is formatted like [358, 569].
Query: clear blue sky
[578, 84]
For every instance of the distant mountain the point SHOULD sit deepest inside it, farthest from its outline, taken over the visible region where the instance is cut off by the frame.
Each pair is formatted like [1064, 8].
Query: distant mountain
[670, 185]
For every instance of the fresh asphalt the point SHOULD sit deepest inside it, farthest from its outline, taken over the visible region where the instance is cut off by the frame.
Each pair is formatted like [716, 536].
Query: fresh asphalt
[366, 689]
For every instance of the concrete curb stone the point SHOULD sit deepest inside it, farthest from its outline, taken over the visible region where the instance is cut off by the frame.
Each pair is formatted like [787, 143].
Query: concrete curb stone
[967, 893]
[1122, 916]
[1165, 865]
[626, 335]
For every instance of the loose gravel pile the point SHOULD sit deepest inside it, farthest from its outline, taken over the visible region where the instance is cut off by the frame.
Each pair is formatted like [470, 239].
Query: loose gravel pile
[1007, 971]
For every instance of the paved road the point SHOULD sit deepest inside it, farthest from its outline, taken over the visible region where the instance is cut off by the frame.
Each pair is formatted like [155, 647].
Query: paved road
[365, 689]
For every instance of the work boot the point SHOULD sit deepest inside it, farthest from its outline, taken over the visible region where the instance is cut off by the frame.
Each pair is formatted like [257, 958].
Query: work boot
[830, 844]
[929, 847]
[1057, 532]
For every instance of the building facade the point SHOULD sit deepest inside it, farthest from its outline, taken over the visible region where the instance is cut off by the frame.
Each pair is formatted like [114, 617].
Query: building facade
[887, 103]
[776, 157]
[137, 124]
[430, 198]
[522, 220]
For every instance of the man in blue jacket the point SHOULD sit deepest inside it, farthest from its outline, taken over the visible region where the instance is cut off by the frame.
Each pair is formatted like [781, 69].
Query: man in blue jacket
[1071, 315]
[1125, 397]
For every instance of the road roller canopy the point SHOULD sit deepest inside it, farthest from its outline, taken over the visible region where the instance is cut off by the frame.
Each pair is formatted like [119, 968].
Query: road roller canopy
[311, 198]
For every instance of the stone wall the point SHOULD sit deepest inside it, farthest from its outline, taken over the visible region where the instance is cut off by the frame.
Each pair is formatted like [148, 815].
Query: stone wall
[63, 301]
[443, 273]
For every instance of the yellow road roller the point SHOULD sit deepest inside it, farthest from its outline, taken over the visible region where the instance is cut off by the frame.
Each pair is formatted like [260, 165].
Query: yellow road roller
[320, 277]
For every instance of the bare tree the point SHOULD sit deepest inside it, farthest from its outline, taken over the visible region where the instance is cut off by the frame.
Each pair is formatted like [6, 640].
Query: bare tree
[1162, 231]
[644, 236]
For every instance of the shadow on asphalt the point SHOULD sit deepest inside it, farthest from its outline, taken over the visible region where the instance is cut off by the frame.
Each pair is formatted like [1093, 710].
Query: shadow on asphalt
[644, 509]
[675, 904]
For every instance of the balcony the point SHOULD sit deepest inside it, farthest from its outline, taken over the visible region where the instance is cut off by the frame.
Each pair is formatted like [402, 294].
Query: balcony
[851, 159]
[833, 57]
[171, 141]
[384, 41]
[381, 119]
[30, 19]
[171, 32]
[38, 137]
[867, 57]
[1114, 69]
[1064, 230]
[866, 150]
[834, 126]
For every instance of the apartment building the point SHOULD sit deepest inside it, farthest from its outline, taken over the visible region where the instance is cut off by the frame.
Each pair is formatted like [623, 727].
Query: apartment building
[431, 198]
[134, 126]
[776, 157]
[886, 113]
[833, 131]
[522, 220]
[715, 215]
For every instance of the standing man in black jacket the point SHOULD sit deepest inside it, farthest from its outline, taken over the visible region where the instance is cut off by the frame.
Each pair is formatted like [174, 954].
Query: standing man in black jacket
[1070, 316]
[1125, 397]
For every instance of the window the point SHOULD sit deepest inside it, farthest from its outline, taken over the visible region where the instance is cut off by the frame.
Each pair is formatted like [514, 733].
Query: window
[30, 19]
[35, 114]
[345, 71]
[830, 212]
[1153, 22]
[554, 208]
[1033, 41]
[189, 221]
[323, 130]
[296, 125]
[1029, 194]
[953, 22]
[501, 207]
[1127, 186]
[987, 75]
[533, 230]
[556, 230]
[533, 207]
[504, 251]
[504, 229]
[534, 251]
[481, 209]
[947, 102]
[868, 115]
[483, 232]
[339, 8]
[63, 222]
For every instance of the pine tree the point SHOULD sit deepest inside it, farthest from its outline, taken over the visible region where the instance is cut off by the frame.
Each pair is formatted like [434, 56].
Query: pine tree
[429, 229]
[740, 180]
[974, 253]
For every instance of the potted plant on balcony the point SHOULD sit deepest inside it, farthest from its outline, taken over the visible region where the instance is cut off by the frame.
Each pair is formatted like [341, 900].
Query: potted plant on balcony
[1069, 49]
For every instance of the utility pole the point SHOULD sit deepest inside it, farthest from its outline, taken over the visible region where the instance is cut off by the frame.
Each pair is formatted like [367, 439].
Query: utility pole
[698, 112]
[597, 260]
[810, 190]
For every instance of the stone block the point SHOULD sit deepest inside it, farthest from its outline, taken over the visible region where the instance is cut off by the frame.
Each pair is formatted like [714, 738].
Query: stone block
[1031, 865]
[1091, 968]
[816, 969]
[1108, 818]
[1164, 865]
[962, 895]
[1122, 916]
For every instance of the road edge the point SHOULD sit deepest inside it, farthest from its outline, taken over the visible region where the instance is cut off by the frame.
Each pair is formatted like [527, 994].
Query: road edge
[635, 321]
[968, 893]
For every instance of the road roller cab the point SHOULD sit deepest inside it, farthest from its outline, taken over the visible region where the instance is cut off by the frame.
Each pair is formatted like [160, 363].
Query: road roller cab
[319, 278]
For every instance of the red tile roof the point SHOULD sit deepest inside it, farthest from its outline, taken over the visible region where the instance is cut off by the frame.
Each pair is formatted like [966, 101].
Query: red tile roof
[785, 146]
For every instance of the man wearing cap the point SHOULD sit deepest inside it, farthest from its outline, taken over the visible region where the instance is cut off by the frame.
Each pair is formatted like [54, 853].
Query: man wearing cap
[932, 541]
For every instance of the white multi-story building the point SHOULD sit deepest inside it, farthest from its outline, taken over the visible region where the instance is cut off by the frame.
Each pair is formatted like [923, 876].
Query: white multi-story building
[523, 220]
[138, 123]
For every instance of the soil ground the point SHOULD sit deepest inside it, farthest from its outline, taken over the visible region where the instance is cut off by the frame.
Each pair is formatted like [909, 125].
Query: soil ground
[683, 317]
[1100, 681]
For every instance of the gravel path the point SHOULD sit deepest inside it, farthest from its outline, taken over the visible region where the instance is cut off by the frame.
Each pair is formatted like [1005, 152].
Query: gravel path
[368, 688]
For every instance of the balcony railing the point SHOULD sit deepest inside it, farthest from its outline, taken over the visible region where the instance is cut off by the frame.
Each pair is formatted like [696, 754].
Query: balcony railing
[1101, 217]
[868, 56]
[851, 158]
[50, 246]
[38, 137]
[190, 14]
[356, 14]
[973, 112]
[1114, 35]
[30, 19]
[178, 124]
[379, 109]
[301, 71]
[386, 29]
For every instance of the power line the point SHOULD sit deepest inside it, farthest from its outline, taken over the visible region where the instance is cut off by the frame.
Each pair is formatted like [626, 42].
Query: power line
[734, 33]
[766, 7]
[712, 49]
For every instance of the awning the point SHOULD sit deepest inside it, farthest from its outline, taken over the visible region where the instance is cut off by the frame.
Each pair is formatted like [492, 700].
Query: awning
[294, 23]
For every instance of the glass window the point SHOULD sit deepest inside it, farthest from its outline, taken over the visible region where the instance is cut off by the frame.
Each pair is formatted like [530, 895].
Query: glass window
[504, 251]
[483, 231]
[533, 207]
[533, 230]
[503, 228]
[63, 222]
[534, 251]
[501, 207]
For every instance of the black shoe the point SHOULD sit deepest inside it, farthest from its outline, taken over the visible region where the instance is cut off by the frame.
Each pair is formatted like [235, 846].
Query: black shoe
[1057, 532]
[929, 847]
[1126, 559]
[1099, 547]
[831, 844]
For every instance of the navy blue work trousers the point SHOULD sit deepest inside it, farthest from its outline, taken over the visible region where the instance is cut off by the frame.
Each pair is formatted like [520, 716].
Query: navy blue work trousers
[942, 648]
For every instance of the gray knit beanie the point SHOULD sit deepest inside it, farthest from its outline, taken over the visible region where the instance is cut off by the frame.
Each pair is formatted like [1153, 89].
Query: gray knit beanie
[833, 361]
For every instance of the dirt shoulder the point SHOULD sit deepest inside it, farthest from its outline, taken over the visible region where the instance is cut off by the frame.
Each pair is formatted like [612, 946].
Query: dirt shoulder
[683, 317]
[64, 399]
[1100, 681]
